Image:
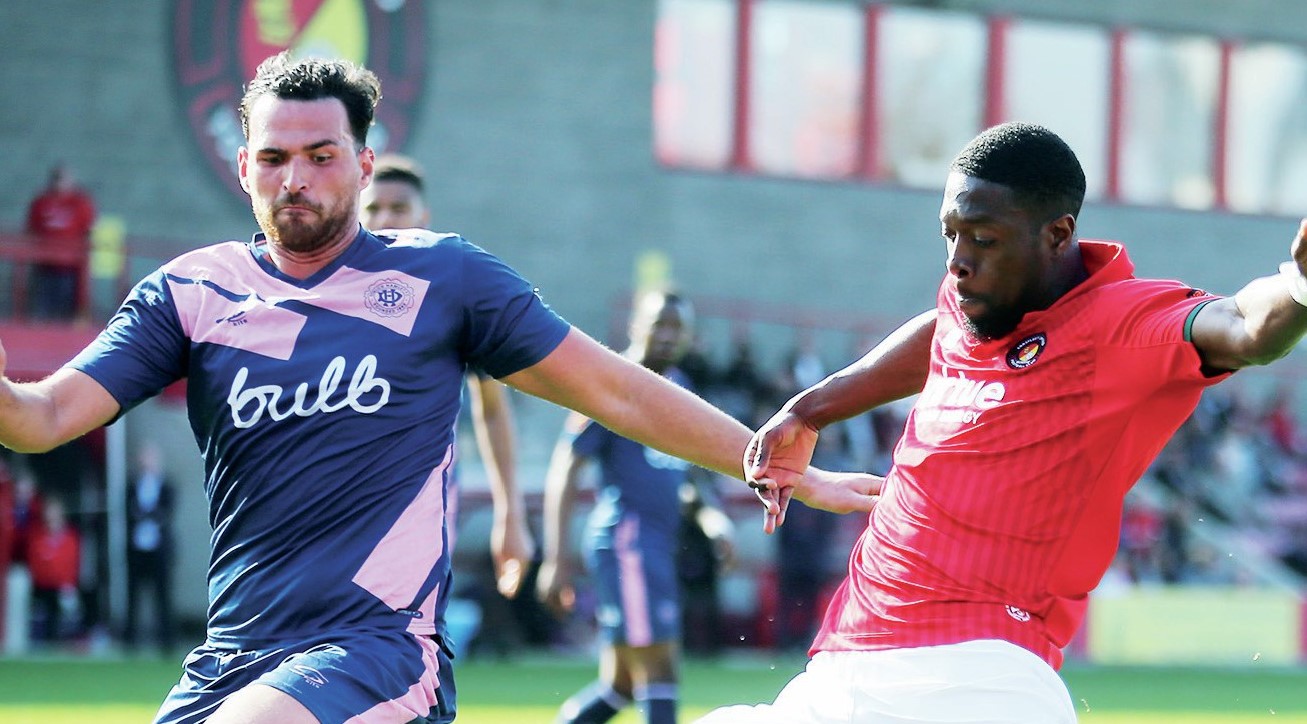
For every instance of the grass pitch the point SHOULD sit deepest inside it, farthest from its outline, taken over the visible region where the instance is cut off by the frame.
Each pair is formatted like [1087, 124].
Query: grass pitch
[529, 689]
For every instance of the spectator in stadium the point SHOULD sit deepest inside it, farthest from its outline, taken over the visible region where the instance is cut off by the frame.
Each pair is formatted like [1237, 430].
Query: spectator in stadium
[61, 216]
[803, 554]
[1049, 377]
[54, 560]
[742, 389]
[324, 369]
[631, 538]
[149, 547]
[27, 511]
[705, 550]
[396, 200]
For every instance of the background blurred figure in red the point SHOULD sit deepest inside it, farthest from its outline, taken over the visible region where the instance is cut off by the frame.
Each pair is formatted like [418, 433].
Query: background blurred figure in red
[26, 512]
[54, 561]
[62, 215]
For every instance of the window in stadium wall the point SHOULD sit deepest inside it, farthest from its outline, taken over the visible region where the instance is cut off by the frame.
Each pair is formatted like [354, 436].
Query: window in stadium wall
[889, 93]
[1071, 98]
[1170, 97]
[806, 61]
[930, 70]
[694, 76]
[1266, 151]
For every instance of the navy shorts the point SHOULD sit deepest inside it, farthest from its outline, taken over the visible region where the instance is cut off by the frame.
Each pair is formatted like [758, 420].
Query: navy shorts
[381, 676]
[636, 590]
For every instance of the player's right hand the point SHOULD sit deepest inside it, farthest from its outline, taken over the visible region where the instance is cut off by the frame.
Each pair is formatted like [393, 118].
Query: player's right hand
[780, 451]
[554, 588]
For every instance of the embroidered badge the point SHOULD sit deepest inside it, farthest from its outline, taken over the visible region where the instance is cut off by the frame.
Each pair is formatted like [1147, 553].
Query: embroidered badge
[1024, 353]
[389, 298]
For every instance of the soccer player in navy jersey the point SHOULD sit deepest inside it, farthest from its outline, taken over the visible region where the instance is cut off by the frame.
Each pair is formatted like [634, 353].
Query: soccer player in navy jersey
[395, 200]
[631, 537]
[1049, 377]
[324, 369]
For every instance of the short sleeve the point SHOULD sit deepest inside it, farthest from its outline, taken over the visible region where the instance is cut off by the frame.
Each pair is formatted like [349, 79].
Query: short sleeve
[141, 350]
[509, 326]
[1153, 317]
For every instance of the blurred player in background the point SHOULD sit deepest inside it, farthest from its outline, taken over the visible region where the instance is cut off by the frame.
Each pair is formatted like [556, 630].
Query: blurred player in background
[324, 369]
[1049, 379]
[631, 541]
[396, 200]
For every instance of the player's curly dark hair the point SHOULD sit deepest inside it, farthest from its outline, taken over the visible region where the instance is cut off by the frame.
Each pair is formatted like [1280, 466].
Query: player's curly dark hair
[311, 79]
[1040, 168]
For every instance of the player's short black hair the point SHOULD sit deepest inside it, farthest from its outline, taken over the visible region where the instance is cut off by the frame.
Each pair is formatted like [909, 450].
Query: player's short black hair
[393, 167]
[312, 79]
[663, 297]
[1040, 168]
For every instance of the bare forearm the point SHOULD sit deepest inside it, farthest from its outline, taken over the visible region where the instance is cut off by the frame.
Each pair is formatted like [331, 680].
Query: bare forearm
[894, 369]
[636, 403]
[1272, 321]
[662, 415]
[40, 416]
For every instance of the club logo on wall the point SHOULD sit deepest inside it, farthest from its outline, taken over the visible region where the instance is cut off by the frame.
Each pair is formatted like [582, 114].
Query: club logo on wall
[217, 44]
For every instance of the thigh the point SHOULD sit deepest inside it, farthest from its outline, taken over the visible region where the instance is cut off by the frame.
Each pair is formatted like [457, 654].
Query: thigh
[636, 595]
[383, 676]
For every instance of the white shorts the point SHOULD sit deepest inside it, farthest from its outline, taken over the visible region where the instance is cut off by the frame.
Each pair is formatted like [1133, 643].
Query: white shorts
[976, 682]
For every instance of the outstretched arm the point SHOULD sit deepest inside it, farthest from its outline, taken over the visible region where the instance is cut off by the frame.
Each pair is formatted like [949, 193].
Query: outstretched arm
[40, 416]
[636, 403]
[1262, 322]
[511, 545]
[894, 369]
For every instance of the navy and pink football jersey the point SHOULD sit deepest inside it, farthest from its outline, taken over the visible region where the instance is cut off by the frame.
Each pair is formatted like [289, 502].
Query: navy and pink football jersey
[325, 411]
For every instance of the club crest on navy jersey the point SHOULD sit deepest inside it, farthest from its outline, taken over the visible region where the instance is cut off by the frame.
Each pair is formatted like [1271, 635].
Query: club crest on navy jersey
[1024, 353]
[389, 298]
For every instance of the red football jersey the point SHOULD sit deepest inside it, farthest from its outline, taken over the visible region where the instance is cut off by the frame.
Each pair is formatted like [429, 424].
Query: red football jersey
[1003, 507]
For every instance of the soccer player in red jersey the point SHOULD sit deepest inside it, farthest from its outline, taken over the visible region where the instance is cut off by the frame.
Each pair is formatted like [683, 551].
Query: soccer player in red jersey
[1049, 378]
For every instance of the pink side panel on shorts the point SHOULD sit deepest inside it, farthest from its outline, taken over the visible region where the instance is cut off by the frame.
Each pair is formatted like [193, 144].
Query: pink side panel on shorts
[396, 569]
[635, 596]
[417, 702]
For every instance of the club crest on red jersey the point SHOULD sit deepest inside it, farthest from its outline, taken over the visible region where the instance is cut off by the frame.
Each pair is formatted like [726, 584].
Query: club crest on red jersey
[1024, 353]
[389, 298]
